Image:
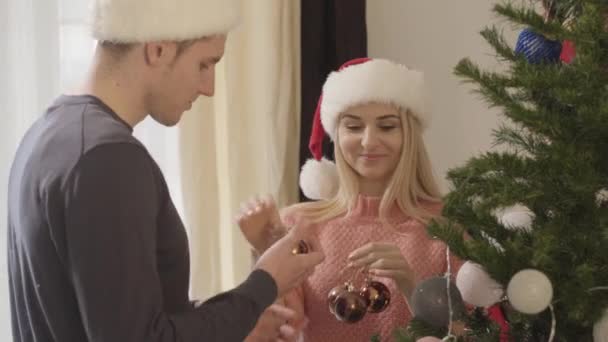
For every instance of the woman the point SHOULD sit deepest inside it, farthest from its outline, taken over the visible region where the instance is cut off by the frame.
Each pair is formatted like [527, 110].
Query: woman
[374, 203]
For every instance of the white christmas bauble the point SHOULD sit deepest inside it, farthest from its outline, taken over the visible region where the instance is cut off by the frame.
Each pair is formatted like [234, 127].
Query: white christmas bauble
[428, 339]
[601, 197]
[476, 286]
[516, 217]
[600, 329]
[530, 291]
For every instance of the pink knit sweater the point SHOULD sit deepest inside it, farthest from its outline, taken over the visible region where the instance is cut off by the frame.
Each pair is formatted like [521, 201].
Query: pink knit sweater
[340, 236]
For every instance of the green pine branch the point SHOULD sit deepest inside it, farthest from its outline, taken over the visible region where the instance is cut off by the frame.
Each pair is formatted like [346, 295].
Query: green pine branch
[551, 156]
[496, 39]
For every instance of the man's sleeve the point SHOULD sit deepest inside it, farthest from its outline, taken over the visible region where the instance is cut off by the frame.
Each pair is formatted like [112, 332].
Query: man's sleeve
[112, 205]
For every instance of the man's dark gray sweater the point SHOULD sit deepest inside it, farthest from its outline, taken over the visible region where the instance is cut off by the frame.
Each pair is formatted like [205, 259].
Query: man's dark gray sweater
[96, 249]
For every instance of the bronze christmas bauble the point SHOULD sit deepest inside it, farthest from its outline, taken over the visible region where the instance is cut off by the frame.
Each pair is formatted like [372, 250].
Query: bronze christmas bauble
[350, 307]
[301, 248]
[333, 294]
[376, 295]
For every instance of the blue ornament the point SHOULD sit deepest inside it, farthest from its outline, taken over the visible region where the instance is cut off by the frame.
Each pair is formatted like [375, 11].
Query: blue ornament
[536, 48]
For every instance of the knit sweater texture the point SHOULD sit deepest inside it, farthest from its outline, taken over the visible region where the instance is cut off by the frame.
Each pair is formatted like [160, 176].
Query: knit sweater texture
[340, 236]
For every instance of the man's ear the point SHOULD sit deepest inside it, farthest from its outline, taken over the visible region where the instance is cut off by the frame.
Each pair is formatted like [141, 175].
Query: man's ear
[160, 53]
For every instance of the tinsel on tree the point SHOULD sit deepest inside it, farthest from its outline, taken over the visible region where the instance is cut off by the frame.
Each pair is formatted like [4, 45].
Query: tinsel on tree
[534, 209]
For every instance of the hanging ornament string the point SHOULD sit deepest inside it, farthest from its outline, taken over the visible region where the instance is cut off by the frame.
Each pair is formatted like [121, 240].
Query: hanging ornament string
[554, 321]
[358, 273]
[346, 269]
[448, 275]
[553, 324]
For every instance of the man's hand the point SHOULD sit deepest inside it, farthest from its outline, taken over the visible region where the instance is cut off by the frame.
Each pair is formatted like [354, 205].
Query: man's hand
[286, 268]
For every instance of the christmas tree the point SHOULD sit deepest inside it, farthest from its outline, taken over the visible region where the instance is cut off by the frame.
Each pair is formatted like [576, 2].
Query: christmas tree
[534, 209]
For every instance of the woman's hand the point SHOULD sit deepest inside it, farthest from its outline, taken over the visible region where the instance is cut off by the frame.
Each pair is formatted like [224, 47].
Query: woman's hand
[260, 222]
[385, 260]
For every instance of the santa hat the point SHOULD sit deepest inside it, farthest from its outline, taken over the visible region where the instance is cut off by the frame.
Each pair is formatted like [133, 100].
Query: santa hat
[138, 21]
[358, 81]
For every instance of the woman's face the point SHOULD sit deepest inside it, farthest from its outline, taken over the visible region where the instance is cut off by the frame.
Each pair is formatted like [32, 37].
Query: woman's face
[370, 137]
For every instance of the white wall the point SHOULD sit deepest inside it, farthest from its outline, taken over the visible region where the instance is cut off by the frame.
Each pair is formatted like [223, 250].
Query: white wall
[433, 35]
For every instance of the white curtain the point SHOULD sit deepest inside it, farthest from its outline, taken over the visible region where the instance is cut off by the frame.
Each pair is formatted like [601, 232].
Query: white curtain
[29, 65]
[244, 141]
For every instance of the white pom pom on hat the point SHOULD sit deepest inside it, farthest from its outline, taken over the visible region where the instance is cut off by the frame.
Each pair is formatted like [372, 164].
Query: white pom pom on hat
[319, 179]
[358, 81]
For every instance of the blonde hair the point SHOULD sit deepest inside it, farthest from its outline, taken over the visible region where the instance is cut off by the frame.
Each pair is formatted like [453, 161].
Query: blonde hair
[412, 181]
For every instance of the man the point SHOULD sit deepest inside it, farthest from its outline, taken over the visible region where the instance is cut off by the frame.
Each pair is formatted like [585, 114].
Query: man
[96, 249]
